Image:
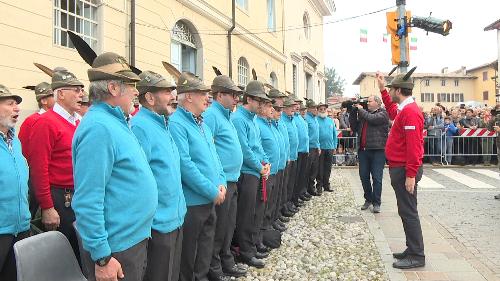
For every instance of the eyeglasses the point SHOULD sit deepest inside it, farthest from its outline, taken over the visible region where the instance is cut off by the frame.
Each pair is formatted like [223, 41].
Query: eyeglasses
[76, 89]
[133, 84]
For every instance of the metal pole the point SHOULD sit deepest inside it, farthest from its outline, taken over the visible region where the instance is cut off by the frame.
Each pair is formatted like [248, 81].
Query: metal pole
[497, 80]
[402, 41]
[229, 39]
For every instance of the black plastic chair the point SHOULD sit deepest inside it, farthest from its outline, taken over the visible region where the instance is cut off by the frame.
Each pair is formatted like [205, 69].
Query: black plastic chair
[46, 257]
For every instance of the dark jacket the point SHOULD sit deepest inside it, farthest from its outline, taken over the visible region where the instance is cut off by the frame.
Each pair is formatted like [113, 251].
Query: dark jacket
[495, 121]
[437, 122]
[469, 122]
[377, 130]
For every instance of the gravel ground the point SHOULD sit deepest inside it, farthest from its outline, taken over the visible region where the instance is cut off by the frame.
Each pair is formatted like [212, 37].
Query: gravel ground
[326, 240]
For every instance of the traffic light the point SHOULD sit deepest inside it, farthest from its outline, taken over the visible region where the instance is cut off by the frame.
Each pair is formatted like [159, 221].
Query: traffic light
[431, 24]
[396, 31]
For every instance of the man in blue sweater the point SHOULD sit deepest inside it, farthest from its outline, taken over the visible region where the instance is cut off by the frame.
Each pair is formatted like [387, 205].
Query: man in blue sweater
[288, 119]
[203, 179]
[303, 152]
[151, 129]
[115, 191]
[328, 144]
[314, 150]
[15, 222]
[217, 118]
[255, 165]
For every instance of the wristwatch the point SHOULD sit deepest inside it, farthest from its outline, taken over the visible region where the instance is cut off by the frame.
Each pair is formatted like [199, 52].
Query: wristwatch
[103, 261]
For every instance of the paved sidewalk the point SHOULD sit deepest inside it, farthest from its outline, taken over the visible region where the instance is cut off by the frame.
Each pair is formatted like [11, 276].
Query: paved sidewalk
[446, 257]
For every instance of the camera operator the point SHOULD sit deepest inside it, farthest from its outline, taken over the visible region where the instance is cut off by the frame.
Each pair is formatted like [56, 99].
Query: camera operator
[494, 125]
[372, 127]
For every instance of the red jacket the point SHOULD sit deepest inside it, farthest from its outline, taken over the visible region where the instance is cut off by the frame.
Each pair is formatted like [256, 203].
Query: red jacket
[405, 145]
[25, 132]
[50, 156]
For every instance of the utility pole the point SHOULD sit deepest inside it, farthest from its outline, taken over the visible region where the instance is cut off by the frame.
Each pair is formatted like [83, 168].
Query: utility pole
[401, 13]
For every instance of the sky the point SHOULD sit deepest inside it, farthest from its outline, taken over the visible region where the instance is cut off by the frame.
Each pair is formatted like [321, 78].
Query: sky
[467, 44]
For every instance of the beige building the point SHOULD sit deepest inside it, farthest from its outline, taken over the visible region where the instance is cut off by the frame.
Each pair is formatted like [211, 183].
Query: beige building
[268, 37]
[484, 85]
[447, 88]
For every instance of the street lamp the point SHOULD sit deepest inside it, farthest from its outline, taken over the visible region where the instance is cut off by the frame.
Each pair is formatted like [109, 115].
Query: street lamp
[431, 24]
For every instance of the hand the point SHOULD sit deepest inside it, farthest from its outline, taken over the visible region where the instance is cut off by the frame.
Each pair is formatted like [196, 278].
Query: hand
[473, 127]
[348, 129]
[496, 128]
[319, 151]
[50, 219]
[111, 272]
[410, 184]
[431, 127]
[221, 196]
[380, 81]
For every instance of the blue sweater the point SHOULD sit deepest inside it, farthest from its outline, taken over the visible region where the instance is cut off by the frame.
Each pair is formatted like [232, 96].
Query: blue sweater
[292, 135]
[115, 190]
[327, 133]
[269, 142]
[161, 152]
[249, 136]
[284, 133]
[281, 145]
[14, 213]
[450, 129]
[227, 144]
[313, 129]
[201, 170]
[302, 133]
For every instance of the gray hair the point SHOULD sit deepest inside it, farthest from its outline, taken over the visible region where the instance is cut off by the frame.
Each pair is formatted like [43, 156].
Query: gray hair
[98, 90]
[181, 98]
[377, 99]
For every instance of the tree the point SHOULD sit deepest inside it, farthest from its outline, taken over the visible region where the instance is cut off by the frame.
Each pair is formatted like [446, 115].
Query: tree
[335, 85]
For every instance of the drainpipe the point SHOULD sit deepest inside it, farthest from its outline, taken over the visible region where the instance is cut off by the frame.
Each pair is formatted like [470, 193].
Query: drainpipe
[132, 32]
[283, 34]
[229, 37]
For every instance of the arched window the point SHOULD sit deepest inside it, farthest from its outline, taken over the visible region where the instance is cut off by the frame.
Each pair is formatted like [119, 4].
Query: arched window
[185, 48]
[307, 25]
[274, 79]
[242, 72]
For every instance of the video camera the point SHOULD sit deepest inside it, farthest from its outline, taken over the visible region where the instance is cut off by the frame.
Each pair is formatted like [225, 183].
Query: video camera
[349, 104]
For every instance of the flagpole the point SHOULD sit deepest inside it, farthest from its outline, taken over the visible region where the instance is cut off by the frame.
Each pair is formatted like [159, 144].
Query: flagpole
[402, 40]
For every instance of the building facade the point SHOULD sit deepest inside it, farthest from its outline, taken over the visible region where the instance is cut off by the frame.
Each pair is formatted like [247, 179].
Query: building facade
[190, 34]
[484, 86]
[447, 88]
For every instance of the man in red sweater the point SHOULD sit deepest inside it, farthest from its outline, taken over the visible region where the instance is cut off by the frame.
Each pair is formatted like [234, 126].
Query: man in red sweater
[50, 158]
[404, 152]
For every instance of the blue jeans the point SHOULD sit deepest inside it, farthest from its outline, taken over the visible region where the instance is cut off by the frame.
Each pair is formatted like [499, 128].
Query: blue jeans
[449, 149]
[371, 163]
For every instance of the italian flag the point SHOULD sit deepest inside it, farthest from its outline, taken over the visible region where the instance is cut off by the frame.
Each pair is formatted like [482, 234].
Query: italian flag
[363, 36]
[413, 43]
[384, 37]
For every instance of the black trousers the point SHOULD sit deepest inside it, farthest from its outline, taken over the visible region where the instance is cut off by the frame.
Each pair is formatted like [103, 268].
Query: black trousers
[407, 210]
[197, 242]
[245, 217]
[270, 204]
[222, 258]
[313, 168]
[325, 169]
[164, 256]
[284, 186]
[132, 260]
[260, 211]
[300, 176]
[67, 217]
[8, 270]
[292, 175]
[278, 183]
[33, 203]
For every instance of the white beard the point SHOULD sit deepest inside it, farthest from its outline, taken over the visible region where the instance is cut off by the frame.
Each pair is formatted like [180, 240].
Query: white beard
[323, 115]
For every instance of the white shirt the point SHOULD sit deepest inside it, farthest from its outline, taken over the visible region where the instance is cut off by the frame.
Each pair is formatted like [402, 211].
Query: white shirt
[41, 111]
[406, 102]
[64, 114]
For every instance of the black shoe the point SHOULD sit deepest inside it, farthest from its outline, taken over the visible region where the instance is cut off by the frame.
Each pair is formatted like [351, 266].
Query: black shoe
[220, 277]
[366, 205]
[313, 193]
[255, 262]
[235, 271]
[376, 209]
[263, 249]
[300, 203]
[287, 213]
[497, 196]
[284, 219]
[260, 256]
[305, 198]
[409, 262]
[401, 255]
[279, 228]
[292, 208]
[307, 195]
[328, 189]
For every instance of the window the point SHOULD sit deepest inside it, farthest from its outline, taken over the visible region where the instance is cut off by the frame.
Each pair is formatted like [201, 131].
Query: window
[461, 97]
[427, 82]
[307, 25]
[485, 95]
[448, 98]
[485, 75]
[242, 4]
[271, 16]
[441, 97]
[309, 86]
[294, 79]
[427, 97]
[443, 82]
[455, 97]
[273, 79]
[79, 16]
[243, 72]
[456, 82]
[184, 50]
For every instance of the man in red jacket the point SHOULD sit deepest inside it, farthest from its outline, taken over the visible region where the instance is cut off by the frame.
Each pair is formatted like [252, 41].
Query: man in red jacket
[404, 152]
[50, 161]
